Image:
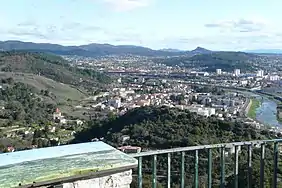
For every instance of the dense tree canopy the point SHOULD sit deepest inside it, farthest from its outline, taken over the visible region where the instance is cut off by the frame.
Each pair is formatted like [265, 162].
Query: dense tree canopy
[22, 104]
[50, 66]
[226, 61]
[159, 128]
[165, 128]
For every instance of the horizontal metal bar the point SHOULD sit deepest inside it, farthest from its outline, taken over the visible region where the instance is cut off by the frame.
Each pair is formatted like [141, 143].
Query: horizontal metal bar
[193, 148]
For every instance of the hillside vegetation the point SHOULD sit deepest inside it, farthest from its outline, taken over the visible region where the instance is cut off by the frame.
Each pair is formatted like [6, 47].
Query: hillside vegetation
[52, 78]
[159, 128]
[50, 66]
[22, 104]
[40, 83]
[162, 128]
[227, 61]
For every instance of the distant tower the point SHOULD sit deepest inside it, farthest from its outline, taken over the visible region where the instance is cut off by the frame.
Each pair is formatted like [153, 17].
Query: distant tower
[260, 73]
[142, 80]
[218, 71]
[237, 72]
[57, 114]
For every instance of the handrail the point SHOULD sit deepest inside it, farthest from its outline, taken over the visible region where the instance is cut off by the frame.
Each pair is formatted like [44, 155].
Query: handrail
[201, 147]
[222, 146]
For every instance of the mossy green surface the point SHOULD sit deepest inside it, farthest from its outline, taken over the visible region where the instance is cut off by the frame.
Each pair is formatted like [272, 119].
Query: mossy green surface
[73, 172]
[52, 169]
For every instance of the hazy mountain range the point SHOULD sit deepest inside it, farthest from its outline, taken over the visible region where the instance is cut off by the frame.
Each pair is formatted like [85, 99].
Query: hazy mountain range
[93, 50]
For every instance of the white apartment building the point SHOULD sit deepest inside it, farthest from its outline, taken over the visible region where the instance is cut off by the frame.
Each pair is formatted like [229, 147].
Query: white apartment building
[218, 71]
[260, 73]
[273, 77]
[201, 110]
[116, 102]
[237, 72]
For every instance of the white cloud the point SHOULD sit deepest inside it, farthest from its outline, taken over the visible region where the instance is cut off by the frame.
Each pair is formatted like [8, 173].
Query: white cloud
[238, 34]
[239, 25]
[126, 5]
[69, 33]
[227, 41]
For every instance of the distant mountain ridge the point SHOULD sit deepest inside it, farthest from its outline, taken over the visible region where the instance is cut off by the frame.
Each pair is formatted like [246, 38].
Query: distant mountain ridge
[200, 50]
[93, 50]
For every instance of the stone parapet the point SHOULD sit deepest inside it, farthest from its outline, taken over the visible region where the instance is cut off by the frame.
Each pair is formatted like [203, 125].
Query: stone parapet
[118, 180]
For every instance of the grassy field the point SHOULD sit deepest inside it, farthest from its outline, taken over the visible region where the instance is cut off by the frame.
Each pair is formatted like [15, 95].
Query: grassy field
[255, 103]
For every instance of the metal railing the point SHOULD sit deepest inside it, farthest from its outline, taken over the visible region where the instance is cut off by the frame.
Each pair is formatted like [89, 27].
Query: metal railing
[249, 145]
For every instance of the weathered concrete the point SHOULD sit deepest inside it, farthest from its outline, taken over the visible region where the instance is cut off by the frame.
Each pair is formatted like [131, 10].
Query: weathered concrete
[118, 180]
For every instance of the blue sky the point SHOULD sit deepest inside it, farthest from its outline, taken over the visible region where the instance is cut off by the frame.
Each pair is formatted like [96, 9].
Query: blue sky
[181, 24]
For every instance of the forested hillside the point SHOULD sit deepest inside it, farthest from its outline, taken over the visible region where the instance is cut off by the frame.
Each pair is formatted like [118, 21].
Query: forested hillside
[227, 61]
[32, 86]
[22, 104]
[159, 128]
[50, 66]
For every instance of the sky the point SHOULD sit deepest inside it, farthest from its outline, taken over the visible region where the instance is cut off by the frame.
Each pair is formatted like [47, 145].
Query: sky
[158, 24]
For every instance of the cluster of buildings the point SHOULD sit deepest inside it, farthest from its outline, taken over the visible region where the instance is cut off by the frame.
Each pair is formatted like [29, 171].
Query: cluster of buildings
[199, 109]
[60, 119]
[174, 95]
[237, 79]
[259, 74]
[238, 75]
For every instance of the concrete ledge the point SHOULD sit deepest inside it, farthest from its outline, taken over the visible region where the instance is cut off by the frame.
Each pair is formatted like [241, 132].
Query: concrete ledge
[107, 176]
[118, 180]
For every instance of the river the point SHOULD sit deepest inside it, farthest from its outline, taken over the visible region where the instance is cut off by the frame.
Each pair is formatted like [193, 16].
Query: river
[266, 113]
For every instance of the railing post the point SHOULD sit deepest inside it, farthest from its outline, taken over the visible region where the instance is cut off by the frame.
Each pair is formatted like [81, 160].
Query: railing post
[182, 169]
[275, 165]
[222, 167]
[139, 172]
[262, 156]
[210, 168]
[196, 180]
[236, 167]
[250, 170]
[154, 182]
[222, 149]
[168, 170]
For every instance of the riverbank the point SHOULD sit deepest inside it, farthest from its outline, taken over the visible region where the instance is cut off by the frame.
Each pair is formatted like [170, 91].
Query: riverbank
[253, 105]
[279, 112]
